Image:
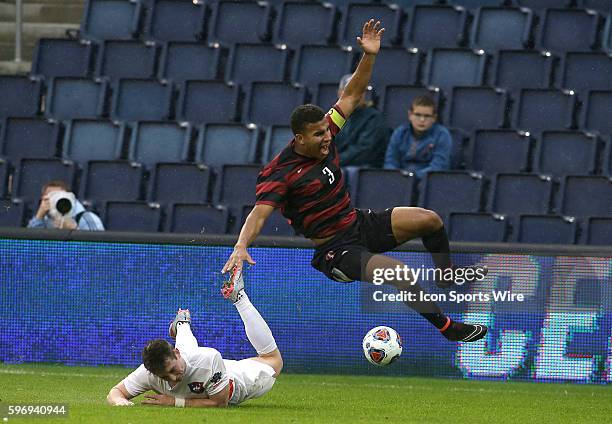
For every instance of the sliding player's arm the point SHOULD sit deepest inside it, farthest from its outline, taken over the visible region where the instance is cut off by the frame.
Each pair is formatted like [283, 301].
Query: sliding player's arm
[119, 396]
[218, 400]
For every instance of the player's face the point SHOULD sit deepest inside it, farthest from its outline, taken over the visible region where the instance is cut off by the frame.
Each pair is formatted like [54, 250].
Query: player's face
[174, 370]
[422, 118]
[317, 139]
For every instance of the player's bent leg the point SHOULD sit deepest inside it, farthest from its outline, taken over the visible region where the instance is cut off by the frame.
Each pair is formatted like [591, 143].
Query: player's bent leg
[180, 329]
[273, 359]
[409, 223]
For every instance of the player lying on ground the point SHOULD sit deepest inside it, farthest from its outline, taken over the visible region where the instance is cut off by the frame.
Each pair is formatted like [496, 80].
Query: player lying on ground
[194, 376]
[305, 181]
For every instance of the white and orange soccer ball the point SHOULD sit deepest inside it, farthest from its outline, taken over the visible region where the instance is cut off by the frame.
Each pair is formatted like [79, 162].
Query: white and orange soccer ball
[382, 345]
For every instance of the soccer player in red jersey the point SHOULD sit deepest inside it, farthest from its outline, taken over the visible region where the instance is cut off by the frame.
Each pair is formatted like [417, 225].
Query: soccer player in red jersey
[305, 181]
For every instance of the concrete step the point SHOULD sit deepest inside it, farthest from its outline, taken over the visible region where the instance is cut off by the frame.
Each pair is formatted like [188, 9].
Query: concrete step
[32, 32]
[39, 12]
[7, 51]
[13, 68]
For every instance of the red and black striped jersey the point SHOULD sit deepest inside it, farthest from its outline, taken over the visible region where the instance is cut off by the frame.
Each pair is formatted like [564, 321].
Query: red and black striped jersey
[311, 193]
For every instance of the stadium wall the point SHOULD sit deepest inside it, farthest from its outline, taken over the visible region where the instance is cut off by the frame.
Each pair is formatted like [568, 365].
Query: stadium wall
[82, 298]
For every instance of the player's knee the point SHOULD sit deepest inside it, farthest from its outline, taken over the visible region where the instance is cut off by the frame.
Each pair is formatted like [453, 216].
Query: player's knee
[432, 220]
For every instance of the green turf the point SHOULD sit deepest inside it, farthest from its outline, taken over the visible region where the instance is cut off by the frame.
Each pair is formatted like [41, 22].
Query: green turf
[318, 398]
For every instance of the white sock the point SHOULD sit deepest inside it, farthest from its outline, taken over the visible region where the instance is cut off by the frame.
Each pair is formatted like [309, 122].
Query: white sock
[257, 330]
[185, 340]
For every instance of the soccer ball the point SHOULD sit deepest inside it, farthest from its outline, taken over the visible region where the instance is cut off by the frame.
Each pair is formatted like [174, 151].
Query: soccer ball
[382, 345]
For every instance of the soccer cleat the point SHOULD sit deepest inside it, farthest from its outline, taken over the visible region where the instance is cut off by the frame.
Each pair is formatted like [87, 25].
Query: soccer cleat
[460, 332]
[446, 284]
[183, 315]
[233, 287]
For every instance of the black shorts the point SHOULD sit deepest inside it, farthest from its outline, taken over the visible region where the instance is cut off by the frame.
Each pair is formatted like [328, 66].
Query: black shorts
[343, 258]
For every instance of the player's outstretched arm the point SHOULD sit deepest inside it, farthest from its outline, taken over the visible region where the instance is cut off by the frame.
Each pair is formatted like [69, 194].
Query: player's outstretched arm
[119, 396]
[250, 230]
[218, 400]
[370, 44]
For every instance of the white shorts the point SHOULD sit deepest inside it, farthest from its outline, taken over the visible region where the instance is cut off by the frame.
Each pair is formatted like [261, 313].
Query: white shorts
[251, 379]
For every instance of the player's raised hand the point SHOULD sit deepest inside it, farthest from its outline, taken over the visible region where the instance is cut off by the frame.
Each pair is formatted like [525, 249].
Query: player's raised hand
[370, 39]
[238, 256]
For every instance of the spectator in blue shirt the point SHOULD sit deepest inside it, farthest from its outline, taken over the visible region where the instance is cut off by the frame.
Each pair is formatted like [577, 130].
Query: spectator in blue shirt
[421, 145]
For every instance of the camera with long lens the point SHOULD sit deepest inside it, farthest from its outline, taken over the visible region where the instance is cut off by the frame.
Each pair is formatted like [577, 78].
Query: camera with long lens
[61, 203]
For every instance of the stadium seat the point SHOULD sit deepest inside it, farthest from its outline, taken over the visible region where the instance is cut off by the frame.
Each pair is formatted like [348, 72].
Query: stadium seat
[111, 19]
[257, 62]
[111, 180]
[240, 22]
[516, 194]
[546, 229]
[126, 59]
[4, 175]
[132, 216]
[431, 26]
[603, 6]
[198, 218]
[517, 69]
[501, 28]
[277, 137]
[58, 57]
[566, 152]
[538, 110]
[607, 35]
[584, 71]
[186, 61]
[563, 30]
[168, 183]
[541, 5]
[32, 174]
[477, 227]
[452, 191]
[356, 14]
[396, 66]
[275, 225]
[208, 101]
[607, 162]
[176, 20]
[29, 138]
[460, 140]
[86, 139]
[467, 65]
[499, 151]
[11, 213]
[396, 100]
[154, 142]
[314, 65]
[269, 103]
[399, 189]
[599, 231]
[326, 95]
[596, 112]
[297, 19]
[477, 107]
[24, 94]
[586, 196]
[236, 187]
[474, 4]
[220, 144]
[75, 98]
[141, 100]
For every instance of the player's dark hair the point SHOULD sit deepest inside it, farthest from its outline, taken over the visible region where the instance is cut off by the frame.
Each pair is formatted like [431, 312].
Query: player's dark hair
[424, 101]
[304, 115]
[155, 354]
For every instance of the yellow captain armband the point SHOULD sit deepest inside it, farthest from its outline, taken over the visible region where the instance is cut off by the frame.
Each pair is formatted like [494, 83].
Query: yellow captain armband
[336, 117]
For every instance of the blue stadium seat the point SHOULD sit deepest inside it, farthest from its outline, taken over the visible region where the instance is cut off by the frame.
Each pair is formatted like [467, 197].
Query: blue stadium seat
[566, 152]
[4, 174]
[396, 100]
[564, 30]
[406, 4]
[452, 191]
[208, 101]
[186, 61]
[11, 213]
[32, 174]
[198, 218]
[74, 98]
[276, 225]
[431, 26]
[296, 20]
[607, 163]
[168, 183]
[240, 22]
[546, 229]
[396, 66]
[326, 95]
[501, 28]
[477, 107]
[541, 5]
[516, 194]
[277, 137]
[497, 151]
[257, 62]
[141, 100]
[236, 186]
[603, 6]
[111, 19]
[477, 227]
[467, 68]
[220, 144]
[596, 112]
[132, 216]
[599, 231]
[321, 64]
[586, 196]
[112, 180]
[460, 140]
[517, 69]
[86, 140]
[126, 59]
[154, 142]
[29, 138]
[584, 71]
[399, 189]
[176, 20]
[269, 103]
[58, 57]
[538, 110]
[356, 14]
[474, 4]
[24, 94]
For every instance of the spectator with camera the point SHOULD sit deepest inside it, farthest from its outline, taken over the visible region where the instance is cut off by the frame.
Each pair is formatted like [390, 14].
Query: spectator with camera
[59, 208]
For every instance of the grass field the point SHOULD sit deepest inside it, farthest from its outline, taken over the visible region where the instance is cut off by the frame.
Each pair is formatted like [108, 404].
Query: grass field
[318, 398]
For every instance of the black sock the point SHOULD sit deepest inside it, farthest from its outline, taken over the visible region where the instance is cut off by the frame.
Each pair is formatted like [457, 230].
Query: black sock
[427, 309]
[436, 243]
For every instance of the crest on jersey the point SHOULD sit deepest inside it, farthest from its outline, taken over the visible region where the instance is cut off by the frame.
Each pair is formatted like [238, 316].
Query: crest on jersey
[216, 377]
[330, 255]
[382, 334]
[196, 387]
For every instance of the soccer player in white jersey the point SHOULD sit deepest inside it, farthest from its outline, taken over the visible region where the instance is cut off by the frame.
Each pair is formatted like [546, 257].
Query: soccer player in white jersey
[192, 376]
